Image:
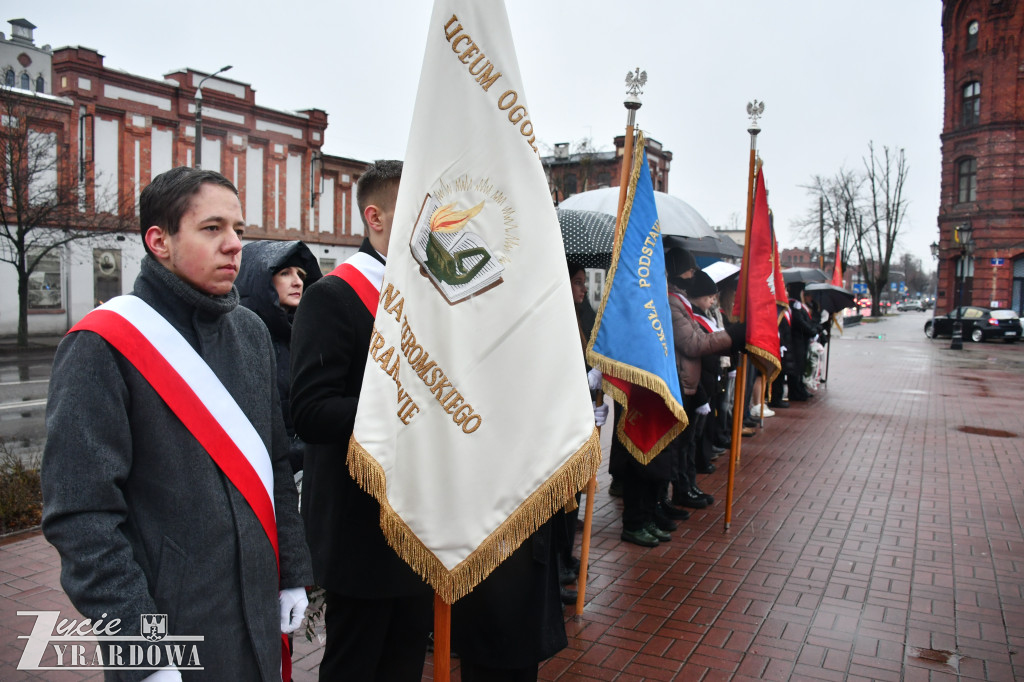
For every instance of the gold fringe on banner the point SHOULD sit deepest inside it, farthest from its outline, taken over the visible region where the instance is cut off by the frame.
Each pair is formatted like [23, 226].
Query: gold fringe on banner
[645, 457]
[768, 365]
[452, 585]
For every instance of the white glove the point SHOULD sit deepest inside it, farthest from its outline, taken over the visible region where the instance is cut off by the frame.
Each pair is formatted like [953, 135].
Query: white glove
[594, 378]
[600, 414]
[704, 409]
[293, 608]
[165, 675]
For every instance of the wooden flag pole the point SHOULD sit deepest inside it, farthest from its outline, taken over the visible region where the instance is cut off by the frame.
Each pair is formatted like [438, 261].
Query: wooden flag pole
[755, 109]
[634, 82]
[442, 639]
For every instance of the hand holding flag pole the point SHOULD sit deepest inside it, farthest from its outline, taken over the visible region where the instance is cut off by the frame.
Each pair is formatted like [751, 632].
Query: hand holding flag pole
[754, 109]
[634, 88]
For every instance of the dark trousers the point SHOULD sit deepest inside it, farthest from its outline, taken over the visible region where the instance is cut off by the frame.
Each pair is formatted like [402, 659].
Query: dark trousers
[639, 500]
[685, 444]
[377, 640]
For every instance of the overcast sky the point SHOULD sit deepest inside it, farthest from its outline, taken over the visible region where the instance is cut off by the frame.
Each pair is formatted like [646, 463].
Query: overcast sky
[833, 77]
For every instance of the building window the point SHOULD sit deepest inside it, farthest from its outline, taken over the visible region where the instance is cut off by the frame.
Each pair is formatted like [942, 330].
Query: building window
[26, 82]
[972, 36]
[40, 84]
[9, 78]
[44, 287]
[570, 184]
[972, 103]
[967, 177]
[604, 179]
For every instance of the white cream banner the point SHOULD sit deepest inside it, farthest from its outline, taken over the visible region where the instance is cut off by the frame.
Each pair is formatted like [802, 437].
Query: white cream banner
[475, 423]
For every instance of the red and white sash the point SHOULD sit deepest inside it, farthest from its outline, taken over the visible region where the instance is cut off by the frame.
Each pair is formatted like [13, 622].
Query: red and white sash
[196, 396]
[365, 274]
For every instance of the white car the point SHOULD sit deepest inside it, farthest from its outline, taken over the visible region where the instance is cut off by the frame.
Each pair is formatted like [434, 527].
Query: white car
[911, 304]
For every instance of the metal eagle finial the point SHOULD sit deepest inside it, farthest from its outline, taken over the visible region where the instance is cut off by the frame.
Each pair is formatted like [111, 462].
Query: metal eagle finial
[635, 82]
[755, 110]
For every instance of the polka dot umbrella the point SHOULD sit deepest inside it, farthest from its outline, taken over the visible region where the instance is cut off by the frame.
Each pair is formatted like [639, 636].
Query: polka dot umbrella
[587, 237]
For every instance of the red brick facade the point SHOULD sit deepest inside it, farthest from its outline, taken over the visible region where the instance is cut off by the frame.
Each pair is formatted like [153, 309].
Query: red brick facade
[570, 172]
[142, 109]
[983, 152]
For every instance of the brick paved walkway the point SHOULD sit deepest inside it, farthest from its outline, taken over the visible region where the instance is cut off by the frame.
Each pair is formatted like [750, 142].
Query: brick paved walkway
[872, 538]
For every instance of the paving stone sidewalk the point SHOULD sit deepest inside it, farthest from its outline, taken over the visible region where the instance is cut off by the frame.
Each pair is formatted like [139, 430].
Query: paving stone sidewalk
[877, 534]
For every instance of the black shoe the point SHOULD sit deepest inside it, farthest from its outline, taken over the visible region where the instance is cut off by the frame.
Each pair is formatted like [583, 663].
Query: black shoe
[700, 493]
[615, 489]
[724, 444]
[691, 499]
[568, 595]
[717, 452]
[708, 468]
[750, 422]
[566, 576]
[574, 564]
[779, 405]
[640, 537]
[652, 529]
[664, 523]
[672, 512]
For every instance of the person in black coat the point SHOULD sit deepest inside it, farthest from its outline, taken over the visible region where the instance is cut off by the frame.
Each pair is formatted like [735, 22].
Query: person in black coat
[802, 330]
[271, 279]
[378, 610]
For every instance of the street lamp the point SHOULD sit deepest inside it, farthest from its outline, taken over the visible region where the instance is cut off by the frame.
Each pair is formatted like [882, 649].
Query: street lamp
[962, 236]
[199, 115]
[935, 249]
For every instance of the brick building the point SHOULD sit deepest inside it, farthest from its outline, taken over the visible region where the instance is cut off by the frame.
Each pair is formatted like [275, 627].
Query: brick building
[114, 131]
[982, 154]
[572, 171]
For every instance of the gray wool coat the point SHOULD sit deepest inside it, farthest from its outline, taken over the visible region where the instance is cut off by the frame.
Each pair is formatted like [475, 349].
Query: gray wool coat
[144, 520]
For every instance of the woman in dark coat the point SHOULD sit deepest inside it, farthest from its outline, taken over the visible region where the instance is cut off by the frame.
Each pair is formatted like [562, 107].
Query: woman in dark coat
[270, 282]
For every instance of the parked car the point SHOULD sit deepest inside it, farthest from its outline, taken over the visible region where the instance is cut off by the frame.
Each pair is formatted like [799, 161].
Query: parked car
[910, 304]
[979, 324]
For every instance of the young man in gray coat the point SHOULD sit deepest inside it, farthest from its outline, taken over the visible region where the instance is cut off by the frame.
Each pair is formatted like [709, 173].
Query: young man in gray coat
[144, 501]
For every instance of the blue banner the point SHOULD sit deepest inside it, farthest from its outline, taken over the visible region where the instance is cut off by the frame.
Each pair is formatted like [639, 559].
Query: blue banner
[633, 344]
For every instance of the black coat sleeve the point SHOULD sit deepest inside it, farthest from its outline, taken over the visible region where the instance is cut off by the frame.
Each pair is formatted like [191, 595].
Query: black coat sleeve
[327, 361]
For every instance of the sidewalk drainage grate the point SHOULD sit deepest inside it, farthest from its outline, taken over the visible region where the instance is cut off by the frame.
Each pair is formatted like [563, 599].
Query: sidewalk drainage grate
[982, 431]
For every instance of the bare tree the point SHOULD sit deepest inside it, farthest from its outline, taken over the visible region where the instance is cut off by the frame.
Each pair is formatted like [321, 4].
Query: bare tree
[40, 207]
[885, 177]
[836, 213]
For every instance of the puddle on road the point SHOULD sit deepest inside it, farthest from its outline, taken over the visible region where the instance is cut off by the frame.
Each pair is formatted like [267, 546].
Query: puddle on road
[983, 431]
[949, 658]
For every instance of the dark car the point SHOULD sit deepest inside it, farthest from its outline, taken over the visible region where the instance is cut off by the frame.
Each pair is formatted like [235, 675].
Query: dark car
[979, 324]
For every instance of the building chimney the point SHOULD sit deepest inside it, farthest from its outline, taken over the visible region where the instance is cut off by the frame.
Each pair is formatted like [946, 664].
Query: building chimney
[21, 31]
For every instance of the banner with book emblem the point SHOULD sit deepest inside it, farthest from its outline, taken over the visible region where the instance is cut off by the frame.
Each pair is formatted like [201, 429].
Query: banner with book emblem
[474, 423]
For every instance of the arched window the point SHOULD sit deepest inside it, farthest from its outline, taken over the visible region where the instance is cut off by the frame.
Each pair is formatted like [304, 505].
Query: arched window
[972, 35]
[972, 104]
[967, 180]
[26, 82]
[40, 84]
[9, 78]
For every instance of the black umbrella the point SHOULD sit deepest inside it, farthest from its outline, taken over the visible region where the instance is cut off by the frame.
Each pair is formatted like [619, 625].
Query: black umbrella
[790, 275]
[713, 247]
[587, 237]
[830, 298]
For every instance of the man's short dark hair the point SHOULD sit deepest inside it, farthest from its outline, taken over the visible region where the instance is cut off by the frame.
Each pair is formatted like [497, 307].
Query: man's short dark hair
[374, 184]
[166, 199]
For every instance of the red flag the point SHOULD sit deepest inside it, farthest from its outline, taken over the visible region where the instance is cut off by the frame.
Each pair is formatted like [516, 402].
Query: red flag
[779, 286]
[761, 280]
[837, 272]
